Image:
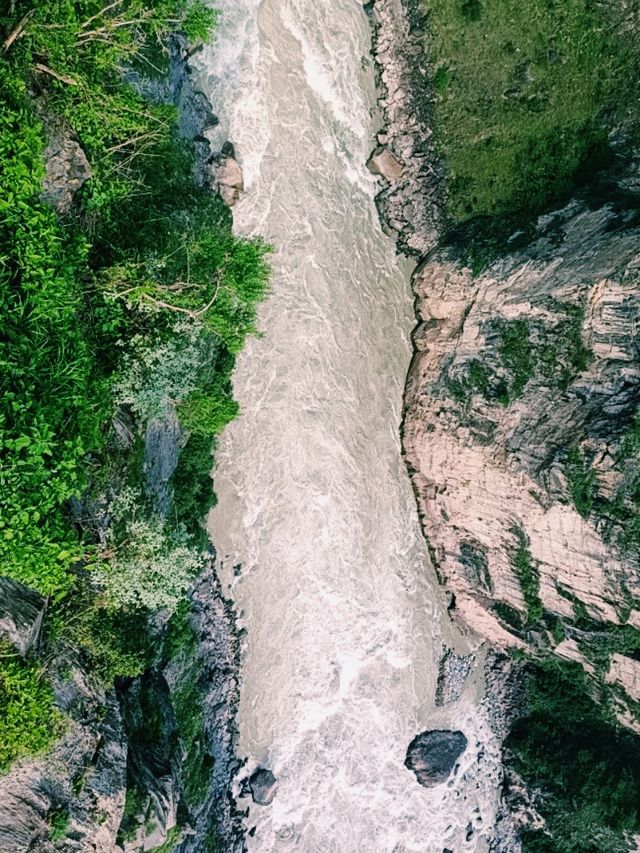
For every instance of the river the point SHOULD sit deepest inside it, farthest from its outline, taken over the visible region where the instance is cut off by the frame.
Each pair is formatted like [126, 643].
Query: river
[316, 527]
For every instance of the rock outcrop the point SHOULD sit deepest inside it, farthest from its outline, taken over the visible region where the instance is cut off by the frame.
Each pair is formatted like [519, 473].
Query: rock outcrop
[21, 613]
[226, 175]
[411, 203]
[432, 756]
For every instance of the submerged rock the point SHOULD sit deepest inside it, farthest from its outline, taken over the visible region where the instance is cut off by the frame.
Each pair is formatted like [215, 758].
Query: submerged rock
[433, 755]
[263, 784]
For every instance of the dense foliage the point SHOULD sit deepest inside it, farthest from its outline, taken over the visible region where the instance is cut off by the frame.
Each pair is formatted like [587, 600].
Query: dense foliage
[526, 94]
[583, 770]
[128, 305]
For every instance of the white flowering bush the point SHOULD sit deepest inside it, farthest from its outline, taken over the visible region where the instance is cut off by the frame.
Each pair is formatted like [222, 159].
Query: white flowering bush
[152, 565]
[154, 376]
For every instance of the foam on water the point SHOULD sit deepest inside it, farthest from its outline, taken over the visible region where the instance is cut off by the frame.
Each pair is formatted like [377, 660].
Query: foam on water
[345, 622]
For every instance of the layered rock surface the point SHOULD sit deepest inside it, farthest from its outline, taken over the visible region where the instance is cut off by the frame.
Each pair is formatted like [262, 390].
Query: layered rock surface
[492, 462]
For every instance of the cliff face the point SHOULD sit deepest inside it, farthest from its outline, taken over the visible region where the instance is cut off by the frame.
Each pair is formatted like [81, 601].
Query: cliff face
[519, 429]
[522, 393]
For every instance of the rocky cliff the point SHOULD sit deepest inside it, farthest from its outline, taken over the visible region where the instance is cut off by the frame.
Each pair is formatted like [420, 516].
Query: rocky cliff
[522, 440]
[520, 407]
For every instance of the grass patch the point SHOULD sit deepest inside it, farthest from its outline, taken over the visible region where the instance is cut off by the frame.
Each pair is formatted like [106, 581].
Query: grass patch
[58, 821]
[526, 95]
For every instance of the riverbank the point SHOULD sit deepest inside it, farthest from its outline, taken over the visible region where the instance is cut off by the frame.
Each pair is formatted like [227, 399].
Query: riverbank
[513, 403]
[120, 660]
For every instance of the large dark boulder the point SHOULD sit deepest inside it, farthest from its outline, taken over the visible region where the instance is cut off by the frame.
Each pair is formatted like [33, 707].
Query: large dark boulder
[433, 755]
[262, 784]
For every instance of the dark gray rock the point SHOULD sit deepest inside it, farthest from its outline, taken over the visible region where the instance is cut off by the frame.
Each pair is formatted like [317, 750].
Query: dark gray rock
[162, 444]
[21, 612]
[219, 654]
[433, 755]
[262, 784]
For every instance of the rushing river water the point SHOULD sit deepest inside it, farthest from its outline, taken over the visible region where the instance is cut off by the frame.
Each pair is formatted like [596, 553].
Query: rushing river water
[344, 620]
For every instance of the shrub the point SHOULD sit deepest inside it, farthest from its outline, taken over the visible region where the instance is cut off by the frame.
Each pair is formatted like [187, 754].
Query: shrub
[581, 480]
[153, 564]
[528, 577]
[157, 373]
[207, 413]
[516, 354]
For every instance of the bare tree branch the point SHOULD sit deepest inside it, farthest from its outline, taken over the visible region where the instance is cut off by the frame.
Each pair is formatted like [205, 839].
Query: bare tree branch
[15, 34]
[70, 81]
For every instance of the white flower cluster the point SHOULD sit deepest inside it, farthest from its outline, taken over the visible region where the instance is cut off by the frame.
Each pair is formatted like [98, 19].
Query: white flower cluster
[153, 564]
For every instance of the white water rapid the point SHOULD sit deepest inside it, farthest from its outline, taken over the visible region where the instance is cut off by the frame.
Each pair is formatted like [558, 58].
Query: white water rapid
[344, 619]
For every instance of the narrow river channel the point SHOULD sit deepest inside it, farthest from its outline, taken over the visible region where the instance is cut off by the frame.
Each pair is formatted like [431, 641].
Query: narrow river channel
[316, 526]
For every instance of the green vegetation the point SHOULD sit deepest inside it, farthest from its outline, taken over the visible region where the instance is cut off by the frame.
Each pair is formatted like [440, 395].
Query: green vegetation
[582, 481]
[526, 95]
[525, 349]
[563, 354]
[509, 615]
[622, 512]
[196, 768]
[516, 356]
[129, 303]
[29, 721]
[171, 842]
[583, 769]
[135, 808]
[527, 574]
[58, 821]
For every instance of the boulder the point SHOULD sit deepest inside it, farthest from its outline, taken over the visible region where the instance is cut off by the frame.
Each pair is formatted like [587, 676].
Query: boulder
[262, 784]
[66, 170]
[21, 612]
[227, 178]
[433, 755]
[382, 162]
